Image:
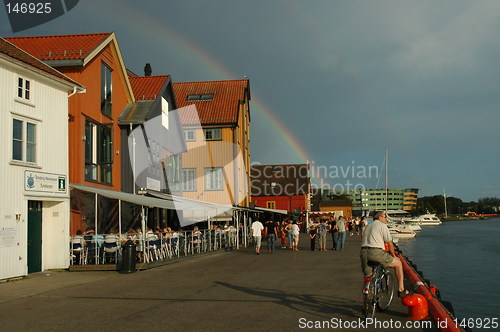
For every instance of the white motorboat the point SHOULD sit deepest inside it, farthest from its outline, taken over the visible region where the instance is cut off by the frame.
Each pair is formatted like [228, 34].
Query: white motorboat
[414, 226]
[428, 219]
[403, 218]
[401, 231]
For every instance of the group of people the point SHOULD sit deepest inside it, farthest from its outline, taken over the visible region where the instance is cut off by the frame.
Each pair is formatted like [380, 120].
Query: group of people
[338, 227]
[272, 230]
[318, 232]
[376, 241]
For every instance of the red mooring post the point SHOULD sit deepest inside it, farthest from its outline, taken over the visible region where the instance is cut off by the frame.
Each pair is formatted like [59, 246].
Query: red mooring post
[436, 309]
[417, 306]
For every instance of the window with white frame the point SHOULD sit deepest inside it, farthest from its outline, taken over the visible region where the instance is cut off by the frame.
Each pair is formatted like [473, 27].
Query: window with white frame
[213, 134]
[164, 113]
[98, 152]
[189, 179]
[24, 141]
[24, 88]
[189, 135]
[213, 178]
[106, 90]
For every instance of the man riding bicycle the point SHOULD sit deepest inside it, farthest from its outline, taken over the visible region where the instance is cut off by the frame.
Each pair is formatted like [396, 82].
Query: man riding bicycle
[373, 241]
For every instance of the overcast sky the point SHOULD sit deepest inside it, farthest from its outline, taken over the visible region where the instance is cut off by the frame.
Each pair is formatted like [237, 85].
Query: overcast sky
[346, 79]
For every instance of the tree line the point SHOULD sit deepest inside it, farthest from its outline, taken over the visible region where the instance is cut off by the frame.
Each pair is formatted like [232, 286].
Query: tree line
[435, 204]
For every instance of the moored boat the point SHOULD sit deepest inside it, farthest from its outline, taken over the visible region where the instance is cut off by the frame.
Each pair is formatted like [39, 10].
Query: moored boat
[428, 219]
[403, 218]
[414, 226]
[401, 231]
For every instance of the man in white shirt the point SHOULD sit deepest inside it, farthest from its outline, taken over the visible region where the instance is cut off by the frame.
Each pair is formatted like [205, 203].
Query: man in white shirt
[373, 241]
[257, 228]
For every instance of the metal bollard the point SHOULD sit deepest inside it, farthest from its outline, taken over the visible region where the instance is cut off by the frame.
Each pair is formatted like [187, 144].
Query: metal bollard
[129, 253]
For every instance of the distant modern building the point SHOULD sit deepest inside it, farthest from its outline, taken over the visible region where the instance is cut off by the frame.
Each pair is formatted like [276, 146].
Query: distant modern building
[282, 187]
[375, 199]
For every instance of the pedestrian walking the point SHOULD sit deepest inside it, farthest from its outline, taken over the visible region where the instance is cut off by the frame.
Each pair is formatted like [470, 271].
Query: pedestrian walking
[335, 232]
[289, 234]
[283, 234]
[272, 231]
[322, 231]
[341, 230]
[312, 236]
[295, 232]
[362, 224]
[257, 229]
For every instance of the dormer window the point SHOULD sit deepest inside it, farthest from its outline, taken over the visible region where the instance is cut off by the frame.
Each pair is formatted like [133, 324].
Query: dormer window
[208, 96]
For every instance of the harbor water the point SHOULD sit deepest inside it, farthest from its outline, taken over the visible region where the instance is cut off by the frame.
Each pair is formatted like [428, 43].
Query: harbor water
[462, 259]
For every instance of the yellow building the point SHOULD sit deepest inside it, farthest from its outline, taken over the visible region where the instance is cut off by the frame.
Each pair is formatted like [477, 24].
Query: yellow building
[215, 117]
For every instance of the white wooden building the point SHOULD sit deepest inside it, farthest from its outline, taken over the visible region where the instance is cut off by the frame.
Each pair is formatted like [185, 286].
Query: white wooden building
[34, 198]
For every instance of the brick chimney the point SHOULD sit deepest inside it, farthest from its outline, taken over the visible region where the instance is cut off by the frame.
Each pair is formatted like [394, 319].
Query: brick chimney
[147, 70]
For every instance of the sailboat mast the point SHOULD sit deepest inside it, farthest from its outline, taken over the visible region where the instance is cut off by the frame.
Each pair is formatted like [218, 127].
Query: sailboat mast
[386, 180]
[445, 209]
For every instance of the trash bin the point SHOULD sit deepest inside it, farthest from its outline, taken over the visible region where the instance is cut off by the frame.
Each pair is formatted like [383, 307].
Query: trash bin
[128, 257]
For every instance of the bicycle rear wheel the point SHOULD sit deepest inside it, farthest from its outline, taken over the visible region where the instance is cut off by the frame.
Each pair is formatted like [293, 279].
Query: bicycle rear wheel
[385, 291]
[369, 300]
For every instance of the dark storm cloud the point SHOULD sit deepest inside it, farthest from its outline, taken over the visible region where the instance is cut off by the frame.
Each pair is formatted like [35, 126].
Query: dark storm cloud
[347, 78]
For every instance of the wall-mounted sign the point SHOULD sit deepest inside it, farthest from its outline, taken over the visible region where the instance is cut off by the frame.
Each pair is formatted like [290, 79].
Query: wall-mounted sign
[45, 182]
[9, 237]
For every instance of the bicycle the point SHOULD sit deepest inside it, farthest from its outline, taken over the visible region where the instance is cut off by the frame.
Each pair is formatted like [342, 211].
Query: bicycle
[378, 290]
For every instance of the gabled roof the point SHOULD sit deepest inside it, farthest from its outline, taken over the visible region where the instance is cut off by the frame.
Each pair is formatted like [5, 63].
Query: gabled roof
[221, 109]
[146, 91]
[72, 50]
[147, 87]
[18, 55]
[61, 47]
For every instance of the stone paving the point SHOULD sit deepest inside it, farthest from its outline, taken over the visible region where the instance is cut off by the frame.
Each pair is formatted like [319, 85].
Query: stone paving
[221, 291]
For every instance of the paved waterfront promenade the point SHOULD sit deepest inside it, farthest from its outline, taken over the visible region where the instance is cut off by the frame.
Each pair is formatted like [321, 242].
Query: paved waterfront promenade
[222, 291]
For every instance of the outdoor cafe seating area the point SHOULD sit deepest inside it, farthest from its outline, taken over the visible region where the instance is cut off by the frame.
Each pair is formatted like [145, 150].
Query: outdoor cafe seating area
[102, 249]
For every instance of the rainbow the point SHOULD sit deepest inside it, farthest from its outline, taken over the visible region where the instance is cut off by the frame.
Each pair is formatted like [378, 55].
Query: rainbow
[181, 45]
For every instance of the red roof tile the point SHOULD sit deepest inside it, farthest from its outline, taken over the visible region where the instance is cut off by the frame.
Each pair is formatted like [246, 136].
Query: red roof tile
[63, 47]
[222, 108]
[19, 55]
[147, 87]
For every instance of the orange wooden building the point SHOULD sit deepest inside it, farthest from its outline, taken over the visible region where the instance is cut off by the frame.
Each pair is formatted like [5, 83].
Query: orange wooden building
[95, 61]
